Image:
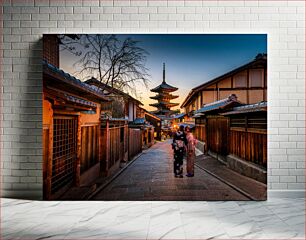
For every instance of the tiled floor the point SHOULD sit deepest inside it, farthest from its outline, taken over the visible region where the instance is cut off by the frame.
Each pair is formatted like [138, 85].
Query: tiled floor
[272, 219]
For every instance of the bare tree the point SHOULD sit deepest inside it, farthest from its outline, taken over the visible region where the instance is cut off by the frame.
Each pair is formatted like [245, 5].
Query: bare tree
[114, 62]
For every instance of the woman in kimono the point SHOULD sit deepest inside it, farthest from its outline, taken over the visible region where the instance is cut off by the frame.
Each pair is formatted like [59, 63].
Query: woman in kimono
[179, 145]
[191, 143]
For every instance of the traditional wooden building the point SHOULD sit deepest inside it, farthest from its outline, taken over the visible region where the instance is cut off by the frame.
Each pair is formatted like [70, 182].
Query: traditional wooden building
[147, 131]
[85, 132]
[248, 140]
[164, 97]
[124, 109]
[123, 105]
[247, 82]
[212, 128]
[156, 122]
[71, 131]
[152, 119]
[235, 134]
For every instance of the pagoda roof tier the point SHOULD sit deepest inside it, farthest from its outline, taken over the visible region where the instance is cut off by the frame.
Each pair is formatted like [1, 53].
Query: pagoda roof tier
[162, 112]
[164, 104]
[162, 96]
[164, 87]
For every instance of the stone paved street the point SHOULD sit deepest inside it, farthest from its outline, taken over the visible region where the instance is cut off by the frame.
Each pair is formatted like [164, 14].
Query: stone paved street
[150, 177]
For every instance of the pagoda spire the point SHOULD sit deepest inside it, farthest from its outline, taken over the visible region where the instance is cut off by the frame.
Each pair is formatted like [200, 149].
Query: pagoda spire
[164, 74]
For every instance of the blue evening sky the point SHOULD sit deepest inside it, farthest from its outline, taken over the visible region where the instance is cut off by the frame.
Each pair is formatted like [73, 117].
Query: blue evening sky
[191, 59]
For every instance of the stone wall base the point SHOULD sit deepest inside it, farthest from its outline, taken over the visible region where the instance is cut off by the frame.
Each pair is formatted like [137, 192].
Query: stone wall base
[201, 146]
[247, 169]
[89, 176]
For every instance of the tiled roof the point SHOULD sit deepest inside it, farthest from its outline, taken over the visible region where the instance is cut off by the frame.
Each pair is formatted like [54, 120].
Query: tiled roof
[178, 116]
[162, 95]
[68, 98]
[139, 121]
[106, 117]
[150, 114]
[232, 99]
[73, 80]
[161, 112]
[164, 104]
[79, 100]
[94, 82]
[257, 107]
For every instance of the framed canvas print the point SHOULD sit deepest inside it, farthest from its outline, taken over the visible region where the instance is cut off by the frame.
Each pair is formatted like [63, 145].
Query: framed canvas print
[155, 117]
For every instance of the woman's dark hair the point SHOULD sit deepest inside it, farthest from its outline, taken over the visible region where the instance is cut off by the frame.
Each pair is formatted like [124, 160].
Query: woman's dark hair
[181, 128]
[187, 129]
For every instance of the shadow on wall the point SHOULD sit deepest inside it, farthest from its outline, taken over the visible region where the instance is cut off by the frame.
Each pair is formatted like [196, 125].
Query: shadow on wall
[28, 147]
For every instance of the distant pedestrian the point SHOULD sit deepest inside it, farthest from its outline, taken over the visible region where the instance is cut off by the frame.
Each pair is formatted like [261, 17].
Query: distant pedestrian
[179, 145]
[191, 143]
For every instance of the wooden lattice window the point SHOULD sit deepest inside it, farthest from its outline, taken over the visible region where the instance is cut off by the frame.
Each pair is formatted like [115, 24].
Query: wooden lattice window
[64, 151]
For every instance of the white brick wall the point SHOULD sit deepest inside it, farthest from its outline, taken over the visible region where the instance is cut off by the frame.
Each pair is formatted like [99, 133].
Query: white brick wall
[24, 22]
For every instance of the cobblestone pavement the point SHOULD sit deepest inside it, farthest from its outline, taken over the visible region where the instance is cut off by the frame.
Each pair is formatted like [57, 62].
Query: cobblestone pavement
[151, 177]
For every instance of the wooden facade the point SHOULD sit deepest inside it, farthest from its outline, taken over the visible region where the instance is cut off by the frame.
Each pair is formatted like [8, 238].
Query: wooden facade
[248, 83]
[248, 133]
[200, 130]
[218, 131]
[79, 144]
[82, 137]
[239, 131]
[212, 128]
[217, 135]
[71, 120]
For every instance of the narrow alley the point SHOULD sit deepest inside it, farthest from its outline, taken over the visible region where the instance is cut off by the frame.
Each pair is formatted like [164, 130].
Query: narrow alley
[151, 177]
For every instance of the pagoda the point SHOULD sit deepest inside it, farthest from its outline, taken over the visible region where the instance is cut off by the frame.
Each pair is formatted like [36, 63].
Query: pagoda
[163, 97]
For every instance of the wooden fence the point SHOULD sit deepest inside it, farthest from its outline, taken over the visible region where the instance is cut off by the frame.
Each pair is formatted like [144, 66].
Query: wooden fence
[116, 145]
[113, 144]
[200, 132]
[244, 136]
[248, 137]
[250, 145]
[217, 134]
[135, 142]
[200, 129]
[89, 146]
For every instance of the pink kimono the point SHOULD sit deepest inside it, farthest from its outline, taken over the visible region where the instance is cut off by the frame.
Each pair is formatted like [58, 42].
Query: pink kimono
[192, 141]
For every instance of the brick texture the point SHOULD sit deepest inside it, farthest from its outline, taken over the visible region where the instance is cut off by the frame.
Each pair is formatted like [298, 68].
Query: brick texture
[24, 22]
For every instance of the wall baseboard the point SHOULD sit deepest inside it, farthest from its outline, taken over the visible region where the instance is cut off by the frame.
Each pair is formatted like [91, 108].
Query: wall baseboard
[22, 194]
[37, 194]
[286, 193]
